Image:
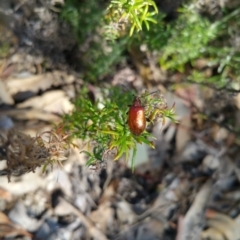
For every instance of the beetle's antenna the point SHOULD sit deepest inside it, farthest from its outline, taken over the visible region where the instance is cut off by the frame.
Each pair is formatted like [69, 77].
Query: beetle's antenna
[127, 89]
[124, 86]
[152, 92]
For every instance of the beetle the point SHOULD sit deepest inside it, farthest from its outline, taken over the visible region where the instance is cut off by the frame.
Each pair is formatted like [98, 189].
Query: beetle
[138, 114]
[136, 117]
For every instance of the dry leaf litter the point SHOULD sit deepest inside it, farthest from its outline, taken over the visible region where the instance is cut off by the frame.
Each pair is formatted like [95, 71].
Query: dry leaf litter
[187, 188]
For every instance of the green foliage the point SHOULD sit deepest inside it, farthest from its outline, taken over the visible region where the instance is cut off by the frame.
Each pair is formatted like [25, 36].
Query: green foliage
[190, 37]
[103, 124]
[130, 14]
[101, 58]
[84, 16]
[179, 43]
[194, 36]
[4, 49]
[98, 56]
[156, 37]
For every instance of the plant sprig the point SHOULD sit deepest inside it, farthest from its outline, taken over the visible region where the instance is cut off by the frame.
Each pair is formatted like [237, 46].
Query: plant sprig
[105, 128]
[130, 14]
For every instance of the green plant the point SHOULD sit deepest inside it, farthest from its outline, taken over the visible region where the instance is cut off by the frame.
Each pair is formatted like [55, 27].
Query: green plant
[156, 37]
[129, 14]
[105, 127]
[4, 49]
[189, 39]
[84, 17]
[193, 36]
[100, 59]
[97, 56]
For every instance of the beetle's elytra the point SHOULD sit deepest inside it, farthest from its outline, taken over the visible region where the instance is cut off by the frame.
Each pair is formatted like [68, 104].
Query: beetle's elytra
[136, 117]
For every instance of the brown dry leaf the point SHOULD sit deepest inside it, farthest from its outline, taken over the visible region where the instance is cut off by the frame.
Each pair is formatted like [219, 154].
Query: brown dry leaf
[223, 224]
[5, 97]
[183, 133]
[237, 100]
[5, 195]
[110, 191]
[103, 216]
[62, 209]
[191, 225]
[220, 134]
[149, 230]
[212, 234]
[35, 83]
[125, 213]
[90, 226]
[7, 228]
[154, 227]
[32, 83]
[52, 101]
[210, 162]
[29, 114]
[5, 69]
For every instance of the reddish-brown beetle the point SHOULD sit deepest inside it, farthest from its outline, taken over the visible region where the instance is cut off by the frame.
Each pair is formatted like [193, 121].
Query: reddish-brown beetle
[136, 117]
[138, 113]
